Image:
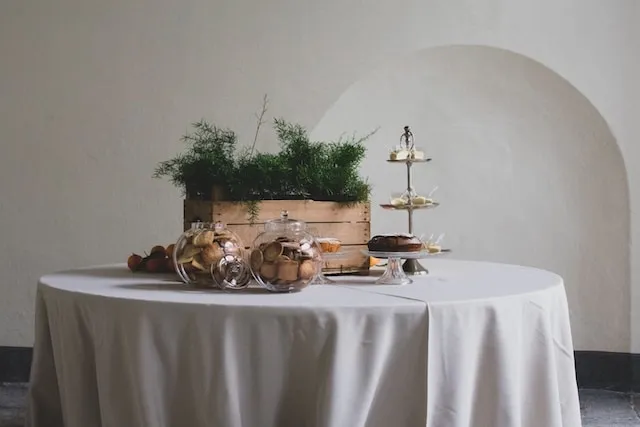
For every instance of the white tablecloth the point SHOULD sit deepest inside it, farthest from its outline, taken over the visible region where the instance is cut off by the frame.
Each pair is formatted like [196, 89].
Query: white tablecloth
[471, 345]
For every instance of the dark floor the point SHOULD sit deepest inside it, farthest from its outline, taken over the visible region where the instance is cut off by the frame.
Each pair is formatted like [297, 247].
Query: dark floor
[609, 409]
[599, 408]
[12, 397]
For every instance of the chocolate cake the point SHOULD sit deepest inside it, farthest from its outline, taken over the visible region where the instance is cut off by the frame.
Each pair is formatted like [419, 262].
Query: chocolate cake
[394, 243]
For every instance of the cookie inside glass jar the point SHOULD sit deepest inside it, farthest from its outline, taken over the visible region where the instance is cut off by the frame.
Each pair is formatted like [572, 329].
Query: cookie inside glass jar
[200, 253]
[285, 257]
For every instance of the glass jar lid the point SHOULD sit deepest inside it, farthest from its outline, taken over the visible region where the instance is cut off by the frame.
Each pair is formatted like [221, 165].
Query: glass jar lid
[284, 223]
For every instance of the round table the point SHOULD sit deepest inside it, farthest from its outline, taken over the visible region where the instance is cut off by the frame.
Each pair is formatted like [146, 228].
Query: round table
[472, 344]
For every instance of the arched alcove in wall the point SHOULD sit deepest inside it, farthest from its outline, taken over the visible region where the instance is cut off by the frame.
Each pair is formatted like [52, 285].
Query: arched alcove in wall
[527, 169]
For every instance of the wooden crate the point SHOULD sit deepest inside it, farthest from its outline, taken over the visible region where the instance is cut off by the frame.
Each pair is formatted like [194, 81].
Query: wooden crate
[350, 224]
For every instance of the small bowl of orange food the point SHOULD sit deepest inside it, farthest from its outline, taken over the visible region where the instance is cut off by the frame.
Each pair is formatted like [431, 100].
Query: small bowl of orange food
[329, 244]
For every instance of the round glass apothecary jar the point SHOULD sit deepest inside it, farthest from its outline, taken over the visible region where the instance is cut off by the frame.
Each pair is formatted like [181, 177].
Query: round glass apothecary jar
[285, 257]
[210, 255]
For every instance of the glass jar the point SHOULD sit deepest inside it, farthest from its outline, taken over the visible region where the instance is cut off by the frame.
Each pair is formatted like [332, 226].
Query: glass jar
[210, 255]
[285, 256]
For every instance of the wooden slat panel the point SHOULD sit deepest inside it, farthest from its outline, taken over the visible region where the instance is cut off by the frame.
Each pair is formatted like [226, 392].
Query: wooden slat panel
[306, 210]
[354, 260]
[350, 224]
[348, 233]
[197, 209]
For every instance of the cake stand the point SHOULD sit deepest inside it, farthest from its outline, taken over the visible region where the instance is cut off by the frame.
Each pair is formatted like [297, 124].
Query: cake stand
[321, 279]
[411, 266]
[395, 273]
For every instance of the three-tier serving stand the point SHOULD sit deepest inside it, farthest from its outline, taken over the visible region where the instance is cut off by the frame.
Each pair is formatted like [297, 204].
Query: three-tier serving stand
[411, 267]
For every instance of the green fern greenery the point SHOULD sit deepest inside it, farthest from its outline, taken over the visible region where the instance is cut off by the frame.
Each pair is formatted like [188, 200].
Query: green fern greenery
[253, 210]
[302, 169]
[207, 161]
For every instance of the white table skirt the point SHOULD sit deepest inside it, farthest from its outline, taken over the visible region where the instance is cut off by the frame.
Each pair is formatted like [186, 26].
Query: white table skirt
[471, 345]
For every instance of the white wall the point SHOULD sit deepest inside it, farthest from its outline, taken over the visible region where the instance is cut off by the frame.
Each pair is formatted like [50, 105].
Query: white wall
[94, 94]
[527, 169]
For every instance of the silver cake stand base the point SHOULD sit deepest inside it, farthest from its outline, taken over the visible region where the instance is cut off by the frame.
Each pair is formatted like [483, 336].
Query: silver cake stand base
[412, 267]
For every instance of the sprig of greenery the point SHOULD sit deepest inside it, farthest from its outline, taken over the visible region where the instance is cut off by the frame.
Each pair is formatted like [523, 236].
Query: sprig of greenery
[253, 210]
[207, 161]
[302, 169]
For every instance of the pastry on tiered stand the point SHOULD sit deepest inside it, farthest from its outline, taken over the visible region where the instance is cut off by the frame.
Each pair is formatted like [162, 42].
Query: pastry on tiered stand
[400, 153]
[407, 149]
[407, 153]
[433, 246]
[411, 199]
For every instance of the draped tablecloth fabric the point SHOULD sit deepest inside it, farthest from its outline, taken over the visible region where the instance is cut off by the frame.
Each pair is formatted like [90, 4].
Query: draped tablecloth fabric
[471, 345]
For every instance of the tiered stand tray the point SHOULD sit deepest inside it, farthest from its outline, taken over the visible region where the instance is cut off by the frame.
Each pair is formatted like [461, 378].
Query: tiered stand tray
[411, 266]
